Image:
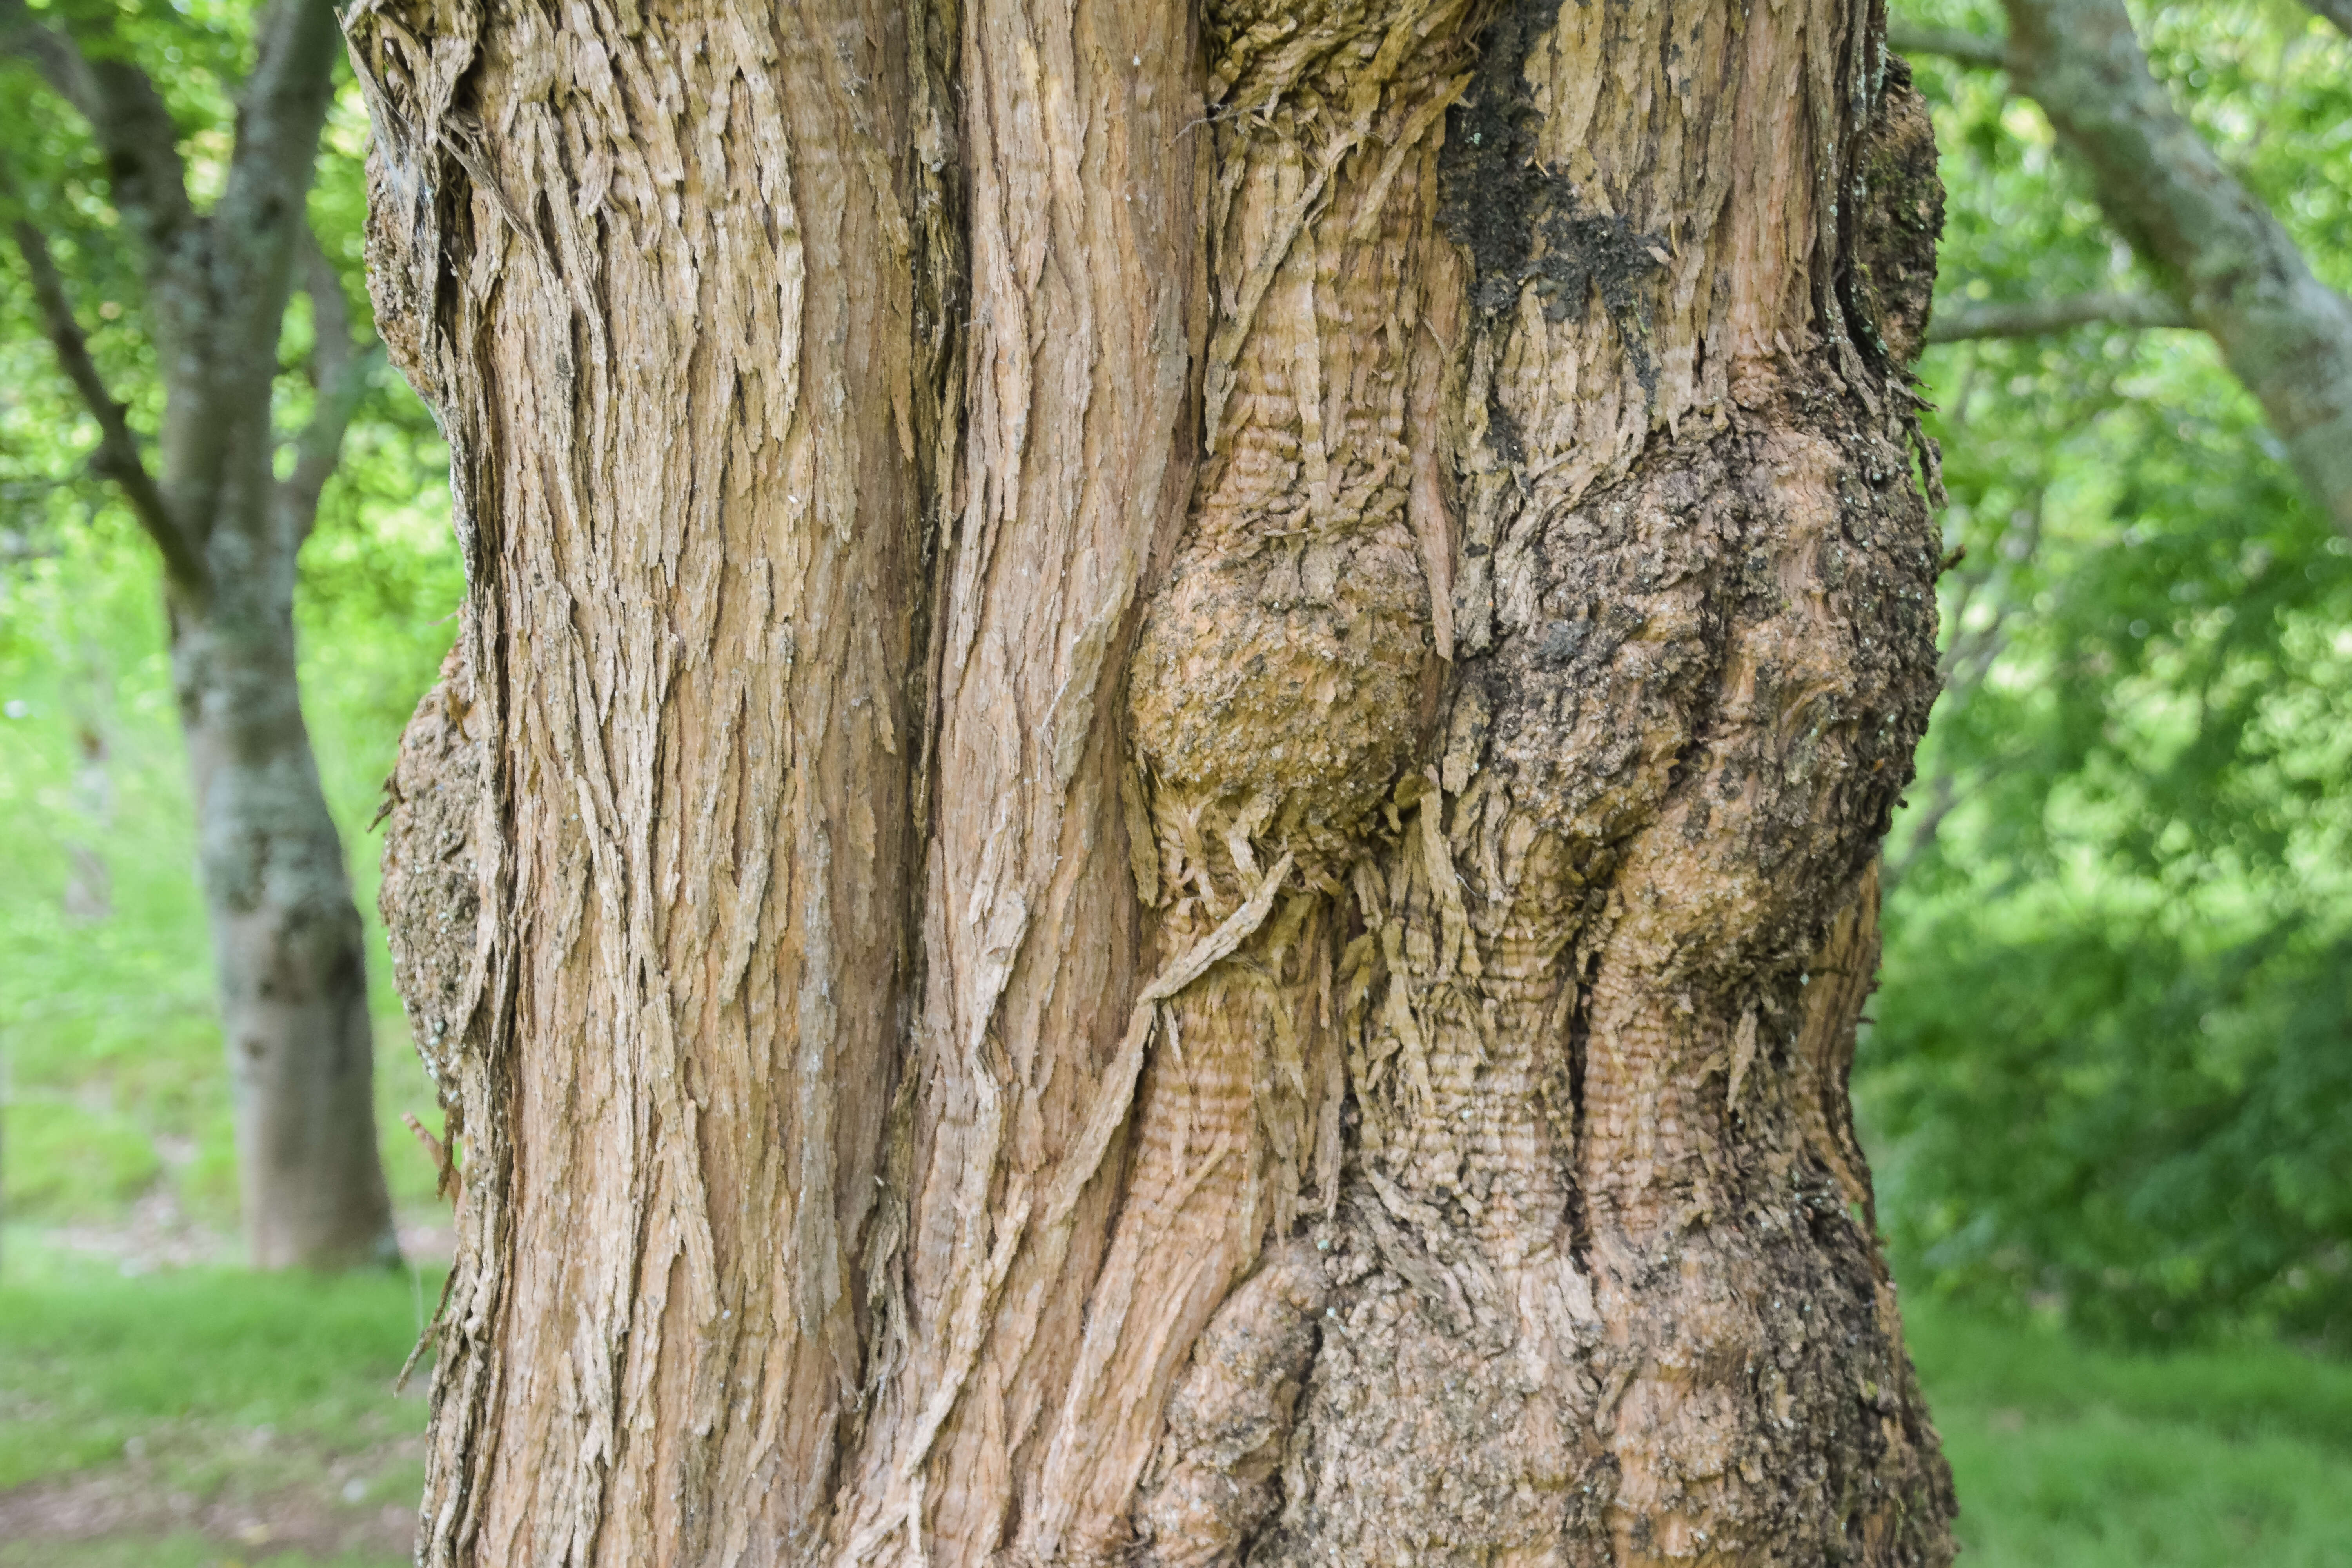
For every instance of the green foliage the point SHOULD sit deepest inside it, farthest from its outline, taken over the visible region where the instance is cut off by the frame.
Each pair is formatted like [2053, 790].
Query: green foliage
[2113, 1055]
[119, 1012]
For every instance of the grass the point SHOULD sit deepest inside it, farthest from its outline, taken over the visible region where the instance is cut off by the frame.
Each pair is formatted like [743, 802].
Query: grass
[266, 1400]
[2067, 1455]
[214, 1412]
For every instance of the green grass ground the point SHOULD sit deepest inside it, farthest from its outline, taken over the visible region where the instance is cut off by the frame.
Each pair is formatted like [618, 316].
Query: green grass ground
[2069, 1455]
[228, 1418]
[204, 1415]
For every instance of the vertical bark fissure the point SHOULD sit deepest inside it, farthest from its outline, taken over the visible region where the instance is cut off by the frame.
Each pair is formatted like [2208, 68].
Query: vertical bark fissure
[1083, 329]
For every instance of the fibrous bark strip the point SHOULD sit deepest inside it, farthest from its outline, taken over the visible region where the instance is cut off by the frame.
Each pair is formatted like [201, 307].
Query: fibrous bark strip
[667, 275]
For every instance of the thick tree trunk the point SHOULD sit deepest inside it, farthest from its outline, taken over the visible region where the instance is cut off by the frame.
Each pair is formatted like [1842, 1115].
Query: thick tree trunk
[1208, 906]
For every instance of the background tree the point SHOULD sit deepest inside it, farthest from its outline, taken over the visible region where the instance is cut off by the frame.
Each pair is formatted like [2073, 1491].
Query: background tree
[2226, 264]
[1166, 761]
[2113, 1036]
[214, 284]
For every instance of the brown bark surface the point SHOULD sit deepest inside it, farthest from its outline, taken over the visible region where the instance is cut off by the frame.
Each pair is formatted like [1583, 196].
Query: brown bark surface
[1343, 957]
[691, 377]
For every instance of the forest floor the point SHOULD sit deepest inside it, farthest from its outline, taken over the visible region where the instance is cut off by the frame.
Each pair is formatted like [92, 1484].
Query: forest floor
[159, 1408]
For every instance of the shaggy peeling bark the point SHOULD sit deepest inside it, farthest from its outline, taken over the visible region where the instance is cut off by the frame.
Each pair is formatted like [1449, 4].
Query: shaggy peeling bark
[677, 320]
[1382, 758]
[286, 938]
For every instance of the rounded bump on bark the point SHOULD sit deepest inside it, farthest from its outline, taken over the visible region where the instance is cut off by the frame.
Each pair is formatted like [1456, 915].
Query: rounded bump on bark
[1899, 217]
[429, 899]
[1214, 1481]
[1745, 654]
[1284, 682]
[1431, 1432]
[1283, 676]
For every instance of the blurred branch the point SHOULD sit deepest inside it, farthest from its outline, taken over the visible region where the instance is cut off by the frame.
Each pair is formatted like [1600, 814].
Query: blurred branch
[2032, 318]
[280, 115]
[254, 242]
[1908, 38]
[1964, 665]
[341, 369]
[116, 457]
[2232, 266]
[1943, 795]
[2336, 11]
[127, 117]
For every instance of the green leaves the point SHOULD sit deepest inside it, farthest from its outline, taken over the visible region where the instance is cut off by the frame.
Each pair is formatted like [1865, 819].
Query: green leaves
[2116, 1035]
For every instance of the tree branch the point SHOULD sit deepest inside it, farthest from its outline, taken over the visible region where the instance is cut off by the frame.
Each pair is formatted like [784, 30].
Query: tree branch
[127, 117]
[341, 369]
[279, 116]
[2032, 318]
[2336, 11]
[2234, 268]
[116, 457]
[1907, 39]
[231, 323]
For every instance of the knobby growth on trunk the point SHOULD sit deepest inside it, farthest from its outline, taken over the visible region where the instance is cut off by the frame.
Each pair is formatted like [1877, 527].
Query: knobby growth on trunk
[1153, 839]
[287, 937]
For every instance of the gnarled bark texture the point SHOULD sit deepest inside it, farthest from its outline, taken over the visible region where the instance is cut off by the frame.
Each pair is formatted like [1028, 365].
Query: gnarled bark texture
[1341, 870]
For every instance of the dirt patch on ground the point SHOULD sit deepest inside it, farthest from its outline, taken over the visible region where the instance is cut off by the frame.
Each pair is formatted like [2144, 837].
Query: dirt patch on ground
[336, 1506]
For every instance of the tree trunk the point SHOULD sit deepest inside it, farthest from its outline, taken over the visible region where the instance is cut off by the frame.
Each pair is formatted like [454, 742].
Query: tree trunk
[286, 940]
[287, 937]
[1165, 794]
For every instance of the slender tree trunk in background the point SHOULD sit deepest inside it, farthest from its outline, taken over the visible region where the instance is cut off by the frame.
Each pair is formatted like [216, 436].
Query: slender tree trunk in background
[286, 938]
[1162, 795]
[287, 944]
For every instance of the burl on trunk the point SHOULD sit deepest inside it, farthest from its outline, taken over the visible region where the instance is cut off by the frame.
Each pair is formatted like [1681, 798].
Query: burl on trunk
[1159, 799]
